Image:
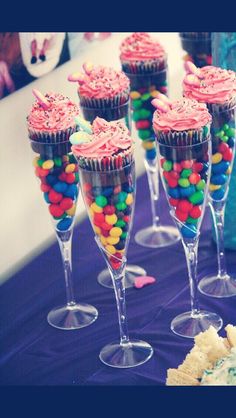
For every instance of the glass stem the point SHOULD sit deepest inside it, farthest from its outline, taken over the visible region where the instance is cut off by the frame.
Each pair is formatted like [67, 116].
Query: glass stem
[65, 247]
[191, 253]
[119, 288]
[153, 181]
[218, 215]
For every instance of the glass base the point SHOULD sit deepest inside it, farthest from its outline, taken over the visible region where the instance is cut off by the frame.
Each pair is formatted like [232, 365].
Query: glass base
[132, 271]
[76, 316]
[131, 354]
[157, 237]
[218, 287]
[187, 325]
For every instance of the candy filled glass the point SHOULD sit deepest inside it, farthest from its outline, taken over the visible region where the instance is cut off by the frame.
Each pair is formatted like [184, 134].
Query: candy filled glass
[57, 170]
[222, 284]
[185, 172]
[112, 232]
[122, 113]
[144, 88]
[198, 47]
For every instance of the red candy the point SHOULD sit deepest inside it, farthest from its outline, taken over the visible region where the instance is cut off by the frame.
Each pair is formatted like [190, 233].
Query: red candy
[109, 210]
[70, 178]
[174, 174]
[126, 218]
[43, 172]
[166, 174]
[54, 196]
[184, 206]
[194, 178]
[62, 176]
[195, 212]
[186, 164]
[66, 203]
[223, 147]
[197, 167]
[117, 189]
[106, 226]
[228, 155]
[143, 124]
[99, 219]
[177, 167]
[105, 233]
[182, 216]
[55, 210]
[87, 187]
[45, 188]
[115, 265]
[172, 182]
[162, 160]
[173, 202]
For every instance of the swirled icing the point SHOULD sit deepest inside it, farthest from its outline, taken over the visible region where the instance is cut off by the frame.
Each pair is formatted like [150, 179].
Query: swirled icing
[107, 139]
[103, 82]
[140, 46]
[216, 86]
[182, 115]
[59, 115]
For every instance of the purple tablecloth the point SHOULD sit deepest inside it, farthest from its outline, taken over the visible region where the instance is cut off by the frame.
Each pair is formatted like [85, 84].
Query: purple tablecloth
[34, 353]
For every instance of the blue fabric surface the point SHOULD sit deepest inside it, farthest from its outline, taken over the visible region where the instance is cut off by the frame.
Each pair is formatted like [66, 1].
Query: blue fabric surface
[34, 353]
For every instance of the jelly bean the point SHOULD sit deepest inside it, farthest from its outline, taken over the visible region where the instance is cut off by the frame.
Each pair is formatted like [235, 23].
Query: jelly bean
[197, 197]
[216, 158]
[194, 178]
[135, 95]
[120, 245]
[70, 168]
[46, 198]
[191, 220]
[219, 134]
[55, 197]
[120, 223]
[111, 219]
[174, 174]
[177, 167]
[230, 132]
[103, 240]
[145, 114]
[76, 177]
[167, 166]
[97, 230]
[106, 227]
[187, 191]
[107, 191]
[151, 154]
[45, 187]
[148, 146]
[101, 201]
[121, 206]
[64, 224]
[218, 194]
[223, 147]
[116, 232]
[220, 168]
[71, 211]
[70, 178]
[228, 155]
[43, 172]
[218, 179]
[172, 182]
[64, 215]
[173, 202]
[110, 249]
[60, 187]
[145, 97]
[95, 208]
[71, 191]
[98, 219]
[225, 127]
[124, 235]
[57, 161]
[225, 138]
[186, 163]
[195, 212]
[55, 210]
[186, 173]
[109, 210]
[197, 167]
[40, 162]
[117, 189]
[183, 182]
[143, 124]
[174, 193]
[136, 104]
[62, 177]
[48, 164]
[213, 187]
[155, 94]
[113, 240]
[182, 216]
[122, 196]
[184, 205]
[126, 219]
[189, 231]
[230, 142]
[128, 210]
[66, 203]
[129, 200]
[144, 134]
[201, 185]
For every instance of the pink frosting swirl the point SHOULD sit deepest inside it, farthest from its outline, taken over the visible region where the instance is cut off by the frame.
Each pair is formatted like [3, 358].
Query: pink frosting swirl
[107, 139]
[183, 115]
[59, 116]
[216, 86]
[140, 46]
[104, 82]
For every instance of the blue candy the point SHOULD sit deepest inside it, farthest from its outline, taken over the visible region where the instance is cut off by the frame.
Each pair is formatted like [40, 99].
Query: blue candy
[107, 191]
[51, 179]
[97, 191]
[220, 168]
[218, 194]
[174, 192]
[127, 188]
[71, 191]
[60, 187]
[189, 231]
[64, 224]
[230, 142]
[46, 198]
[187, 191]
[218, 179]
[151, 154]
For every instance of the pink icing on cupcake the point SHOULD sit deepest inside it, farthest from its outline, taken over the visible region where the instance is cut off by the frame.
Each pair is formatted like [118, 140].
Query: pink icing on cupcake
[140, 46]
[103, 82]
[58, 116]
[182, 115]
[215, 85]
[108, 138]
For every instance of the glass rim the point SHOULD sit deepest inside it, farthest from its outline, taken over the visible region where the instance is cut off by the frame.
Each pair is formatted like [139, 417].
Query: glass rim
[106, 171]
[151, 73]
[184, 145]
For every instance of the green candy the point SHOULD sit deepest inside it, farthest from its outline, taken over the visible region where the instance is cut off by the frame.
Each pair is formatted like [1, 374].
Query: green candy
[225, 127]
[220, 134]
[124, 235]
[57, 218]
[101, 201]
[136, 104]
[136, 115]
[184, 182]
[167, 166]
[230, 132]
[164, 83]
[145, 97]
[120, 223]
[201, 185]
[186, 173]
[58, 162]
[72, 159]
[192, 221]
[144, 113]
[225, 138]
[205, 130]
[144, 133]
[196, 197]
[122, 197]
[40, 162]
[76, 177]
[121, 206]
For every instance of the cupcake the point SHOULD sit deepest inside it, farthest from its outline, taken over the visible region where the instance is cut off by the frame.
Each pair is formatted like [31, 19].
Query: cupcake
[103, 92]
[198, 47]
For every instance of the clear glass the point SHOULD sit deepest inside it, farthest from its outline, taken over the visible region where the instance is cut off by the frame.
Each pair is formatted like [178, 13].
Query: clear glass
[198, 47]
[122, 113]
[144, 88]
[185, 173]
[57, 171]
[222, 284]
[114, 189]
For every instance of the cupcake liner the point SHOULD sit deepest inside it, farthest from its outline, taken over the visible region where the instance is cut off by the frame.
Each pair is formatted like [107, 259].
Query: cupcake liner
[111, 113]
[196, 42]
[115, 162]
[108, 102]
[52, 144]
[51, 137]
[144, 67]
[142, 80]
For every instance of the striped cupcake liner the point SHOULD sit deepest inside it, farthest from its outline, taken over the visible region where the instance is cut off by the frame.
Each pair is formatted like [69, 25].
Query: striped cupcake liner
[183, 138]
[51, 145]
[52, 137]
[115, 162]
[105, 103]
[144, 67]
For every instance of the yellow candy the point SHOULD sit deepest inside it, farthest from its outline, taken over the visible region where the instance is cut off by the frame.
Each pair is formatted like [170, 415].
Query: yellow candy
[71, 211]
[35, 161]
[116, 232]
[154, 93]
[129, 199]
[111, 219]
[70, 168]
[135, 95]
[213, 187]
[216, 158]
[47, 165]
[90, 212]
[148, 145]
[110, 249]
[96, 208]
[65, 158]
[103, 240]
[229, 170]
[97, 230]
[113, 240]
